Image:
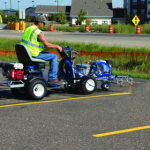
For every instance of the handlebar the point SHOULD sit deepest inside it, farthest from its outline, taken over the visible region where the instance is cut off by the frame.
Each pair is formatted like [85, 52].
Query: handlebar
[65, 48]
[67, 52]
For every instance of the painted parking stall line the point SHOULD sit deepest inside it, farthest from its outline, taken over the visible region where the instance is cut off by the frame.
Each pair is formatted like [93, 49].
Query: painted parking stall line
[121, 131]
[61, 100]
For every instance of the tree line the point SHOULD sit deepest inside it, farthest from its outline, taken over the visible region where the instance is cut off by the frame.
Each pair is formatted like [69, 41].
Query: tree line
[60, 18]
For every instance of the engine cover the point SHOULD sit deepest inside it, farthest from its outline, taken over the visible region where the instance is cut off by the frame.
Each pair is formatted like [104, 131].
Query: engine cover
[17, 65]
[16, 74]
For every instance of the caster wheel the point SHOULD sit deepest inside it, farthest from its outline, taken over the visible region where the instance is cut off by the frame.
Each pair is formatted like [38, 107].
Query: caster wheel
[88, 86]
[71, 88]
[19, 92]
[105, 87]
[37, 89]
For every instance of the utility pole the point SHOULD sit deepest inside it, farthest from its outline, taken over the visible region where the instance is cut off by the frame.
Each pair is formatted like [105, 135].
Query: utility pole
[5, 5]
[18, 5]
[124, 16]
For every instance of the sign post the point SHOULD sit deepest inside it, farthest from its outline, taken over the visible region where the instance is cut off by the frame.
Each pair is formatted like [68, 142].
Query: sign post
[21, 14]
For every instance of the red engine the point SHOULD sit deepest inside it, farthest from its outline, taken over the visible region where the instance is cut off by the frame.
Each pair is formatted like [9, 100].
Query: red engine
[16, 74]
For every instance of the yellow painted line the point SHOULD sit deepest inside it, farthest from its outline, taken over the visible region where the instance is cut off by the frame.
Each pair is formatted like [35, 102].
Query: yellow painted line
[121, 131]
[59, 100]
[130, 90]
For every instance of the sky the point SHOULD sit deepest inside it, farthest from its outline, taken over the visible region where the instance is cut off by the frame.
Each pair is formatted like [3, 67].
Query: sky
[23, 4]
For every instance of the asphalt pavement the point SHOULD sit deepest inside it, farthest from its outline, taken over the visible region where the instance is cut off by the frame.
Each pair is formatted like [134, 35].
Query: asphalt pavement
[117, 119]
[74, 121]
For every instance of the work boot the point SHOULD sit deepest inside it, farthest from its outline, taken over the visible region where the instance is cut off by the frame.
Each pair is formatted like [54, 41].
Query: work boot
[55, 81]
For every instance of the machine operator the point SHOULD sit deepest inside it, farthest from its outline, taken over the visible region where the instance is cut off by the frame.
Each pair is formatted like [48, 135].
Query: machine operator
[34, 39]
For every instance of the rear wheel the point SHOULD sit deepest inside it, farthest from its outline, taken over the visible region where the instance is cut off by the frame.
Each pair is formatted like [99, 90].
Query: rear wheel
[88, 85]
[19, 92]
[37, 89]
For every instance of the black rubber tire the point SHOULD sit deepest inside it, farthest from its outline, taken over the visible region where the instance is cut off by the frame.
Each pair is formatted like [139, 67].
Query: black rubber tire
[71, 89]
[103, 86]
[34, 87]
[19, 92]
[85, 87]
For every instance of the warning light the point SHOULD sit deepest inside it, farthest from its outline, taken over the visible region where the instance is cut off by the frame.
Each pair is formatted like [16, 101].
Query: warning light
[130, 84]
[135, 20]
[121, 85]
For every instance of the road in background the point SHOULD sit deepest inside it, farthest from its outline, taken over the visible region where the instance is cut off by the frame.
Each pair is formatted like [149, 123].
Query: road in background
[124, 40]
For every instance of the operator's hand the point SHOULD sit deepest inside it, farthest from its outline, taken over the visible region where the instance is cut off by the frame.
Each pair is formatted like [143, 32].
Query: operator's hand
[60, 48]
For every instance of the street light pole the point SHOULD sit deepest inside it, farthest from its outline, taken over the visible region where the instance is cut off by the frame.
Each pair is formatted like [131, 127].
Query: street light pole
[57, 10]
[33, 3]
[18, 5]
[5, 5]
[10, 5]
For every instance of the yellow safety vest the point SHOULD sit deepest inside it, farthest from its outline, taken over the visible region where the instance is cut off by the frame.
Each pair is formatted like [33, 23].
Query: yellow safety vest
[29, 39]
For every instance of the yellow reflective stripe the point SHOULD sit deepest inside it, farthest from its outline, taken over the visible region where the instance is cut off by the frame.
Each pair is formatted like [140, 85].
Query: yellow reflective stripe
[31, 35]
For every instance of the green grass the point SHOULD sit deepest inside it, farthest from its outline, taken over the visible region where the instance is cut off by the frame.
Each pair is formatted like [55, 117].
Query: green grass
[127, 64]
[94, 47]
[12, 58]
[9, 44]
[138, 67]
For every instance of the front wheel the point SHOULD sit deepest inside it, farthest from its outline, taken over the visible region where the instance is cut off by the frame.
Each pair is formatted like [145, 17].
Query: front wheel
[88, 85]
[37, 89]
[19, 92]
[105, 86]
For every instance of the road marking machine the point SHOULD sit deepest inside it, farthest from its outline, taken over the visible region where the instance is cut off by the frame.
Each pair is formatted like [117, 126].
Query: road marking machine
[26, 77]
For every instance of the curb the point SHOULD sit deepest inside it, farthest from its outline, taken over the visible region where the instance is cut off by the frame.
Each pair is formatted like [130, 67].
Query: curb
[3, 30]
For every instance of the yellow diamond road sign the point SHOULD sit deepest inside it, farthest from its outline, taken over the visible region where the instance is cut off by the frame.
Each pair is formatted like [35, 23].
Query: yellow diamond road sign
[136, 20]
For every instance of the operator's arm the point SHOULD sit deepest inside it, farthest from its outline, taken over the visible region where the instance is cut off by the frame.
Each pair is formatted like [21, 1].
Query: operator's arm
[47, 44]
